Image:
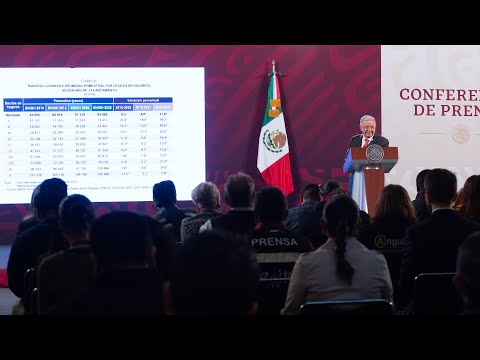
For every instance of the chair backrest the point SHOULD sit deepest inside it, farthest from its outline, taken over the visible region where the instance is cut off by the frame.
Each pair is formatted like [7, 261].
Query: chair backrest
[34, 302]
[434, 294]
[363, 307]
[272, 294]
[30, 283]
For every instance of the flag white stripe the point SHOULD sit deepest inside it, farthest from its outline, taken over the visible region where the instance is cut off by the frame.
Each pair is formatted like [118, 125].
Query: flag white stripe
[266, 157]
[275, 95]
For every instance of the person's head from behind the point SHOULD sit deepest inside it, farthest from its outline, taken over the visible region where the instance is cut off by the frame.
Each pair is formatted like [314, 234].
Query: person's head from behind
[34, 194]
[467, 277]
[164, 194]
[215, 274]
[76, 215]
[54, 185]
[45, 204]
[440, 187]
[122, 239]
[420, 180]
[394, 204]
[459, 200]
[338, 191]
[468, 199]
[239, 190]
[340, 219]
[270, 205]
[311, 192]
[327, 187]
[368, 126]
[206, 196]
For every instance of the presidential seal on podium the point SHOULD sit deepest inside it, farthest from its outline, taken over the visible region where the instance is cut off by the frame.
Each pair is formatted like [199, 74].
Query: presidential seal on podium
[374, 153]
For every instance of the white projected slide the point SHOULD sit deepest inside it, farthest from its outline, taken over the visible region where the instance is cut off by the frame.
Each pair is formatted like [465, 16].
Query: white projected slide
[431, 110]
[110, 133]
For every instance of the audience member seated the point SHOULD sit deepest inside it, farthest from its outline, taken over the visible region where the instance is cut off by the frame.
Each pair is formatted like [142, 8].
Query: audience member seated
[54, 184]
[239, 195]
[310, 200]
[169, 215]
[340, 269]
[422, 210]
[206, 197]
[275, 246]
[215, 274]
[126, 281]
[394, 212]
[66, 272]
[327, 190]
[29, 220]
[431, 246]
[39, 240]
[467, 202]
[166, 248]
[309, 228]
[467, 277]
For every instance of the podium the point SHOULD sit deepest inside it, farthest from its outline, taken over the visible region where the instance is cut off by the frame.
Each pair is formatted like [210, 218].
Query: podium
[367, 173]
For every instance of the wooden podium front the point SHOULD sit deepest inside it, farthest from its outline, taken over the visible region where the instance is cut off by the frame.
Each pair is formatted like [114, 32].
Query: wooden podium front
[368, 176]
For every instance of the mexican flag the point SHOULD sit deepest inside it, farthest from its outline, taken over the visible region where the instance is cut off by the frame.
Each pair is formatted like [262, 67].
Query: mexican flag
[273, 159]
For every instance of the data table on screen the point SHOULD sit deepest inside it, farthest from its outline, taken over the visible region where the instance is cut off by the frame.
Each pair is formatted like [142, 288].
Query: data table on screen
[109, 137]
[114, 148]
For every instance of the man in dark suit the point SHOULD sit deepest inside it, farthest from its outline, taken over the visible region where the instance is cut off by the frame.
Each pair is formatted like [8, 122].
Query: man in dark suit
[419, 204]
[431, 245]
[368, 136]
[169, 215]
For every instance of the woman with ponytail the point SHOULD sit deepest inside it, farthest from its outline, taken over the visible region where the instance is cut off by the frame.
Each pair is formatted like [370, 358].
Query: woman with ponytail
[342, 268]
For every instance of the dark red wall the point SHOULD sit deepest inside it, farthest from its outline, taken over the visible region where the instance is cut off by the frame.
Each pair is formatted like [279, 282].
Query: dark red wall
[325, 90]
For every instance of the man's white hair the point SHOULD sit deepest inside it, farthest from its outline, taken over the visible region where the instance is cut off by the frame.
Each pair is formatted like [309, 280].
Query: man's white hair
[366, 117]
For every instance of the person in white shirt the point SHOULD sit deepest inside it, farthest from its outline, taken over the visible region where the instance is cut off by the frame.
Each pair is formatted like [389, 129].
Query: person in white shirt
[340, 269]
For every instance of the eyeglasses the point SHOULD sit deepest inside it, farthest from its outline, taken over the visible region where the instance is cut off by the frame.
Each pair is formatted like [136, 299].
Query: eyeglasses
[368, 127]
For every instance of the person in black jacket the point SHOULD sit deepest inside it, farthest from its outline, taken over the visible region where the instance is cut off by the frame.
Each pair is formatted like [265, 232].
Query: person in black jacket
[169, 215]
[368, 137]
[432, 245]
[419, 204]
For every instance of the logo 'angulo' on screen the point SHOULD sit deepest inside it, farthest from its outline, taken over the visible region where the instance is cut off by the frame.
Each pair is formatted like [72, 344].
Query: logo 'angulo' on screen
[382, 242]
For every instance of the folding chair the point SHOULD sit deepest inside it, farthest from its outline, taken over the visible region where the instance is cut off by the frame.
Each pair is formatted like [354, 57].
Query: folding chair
[363, 307]
[30, 283]
[272, 295]
[434, 294]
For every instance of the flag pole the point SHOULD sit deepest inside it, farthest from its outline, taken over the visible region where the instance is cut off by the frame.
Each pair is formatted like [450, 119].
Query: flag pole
[274, 71]
[273, 158]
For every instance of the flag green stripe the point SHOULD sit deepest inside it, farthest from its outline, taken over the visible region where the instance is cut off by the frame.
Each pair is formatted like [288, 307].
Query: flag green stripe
[266, 118]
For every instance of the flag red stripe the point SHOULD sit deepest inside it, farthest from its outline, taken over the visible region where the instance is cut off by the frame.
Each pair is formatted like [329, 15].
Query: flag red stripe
[277, 86]
[279, 174]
